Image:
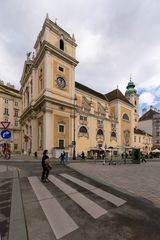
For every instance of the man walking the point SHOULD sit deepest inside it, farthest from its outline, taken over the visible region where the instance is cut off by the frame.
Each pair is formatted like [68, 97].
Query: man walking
[143, 158]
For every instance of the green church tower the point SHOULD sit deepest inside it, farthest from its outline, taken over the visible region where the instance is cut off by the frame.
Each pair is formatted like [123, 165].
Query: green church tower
[133, 97]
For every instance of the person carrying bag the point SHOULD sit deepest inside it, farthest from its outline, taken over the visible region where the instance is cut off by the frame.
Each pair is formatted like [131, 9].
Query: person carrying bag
[46, 166]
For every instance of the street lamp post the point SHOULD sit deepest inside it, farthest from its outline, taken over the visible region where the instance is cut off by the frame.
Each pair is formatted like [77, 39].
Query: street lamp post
[74, 128]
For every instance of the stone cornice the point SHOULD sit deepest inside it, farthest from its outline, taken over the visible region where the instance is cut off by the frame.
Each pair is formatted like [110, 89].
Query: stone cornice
[40, 103]
[4, 90]
[55, 51]
[122, 102]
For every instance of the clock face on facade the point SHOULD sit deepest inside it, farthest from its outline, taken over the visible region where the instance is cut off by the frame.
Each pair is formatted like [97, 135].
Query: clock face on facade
[61, 82]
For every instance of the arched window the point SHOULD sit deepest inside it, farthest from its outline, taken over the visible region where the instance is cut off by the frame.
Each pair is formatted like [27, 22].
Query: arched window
[83, 129]
[61, 44]
[113, 134]
[125, 117]
[100, 132]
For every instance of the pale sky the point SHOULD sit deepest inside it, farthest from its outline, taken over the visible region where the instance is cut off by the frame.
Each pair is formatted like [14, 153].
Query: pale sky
[115, 38]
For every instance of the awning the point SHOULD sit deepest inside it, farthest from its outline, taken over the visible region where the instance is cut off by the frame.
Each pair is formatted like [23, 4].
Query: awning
[156, 151]
[102, 148]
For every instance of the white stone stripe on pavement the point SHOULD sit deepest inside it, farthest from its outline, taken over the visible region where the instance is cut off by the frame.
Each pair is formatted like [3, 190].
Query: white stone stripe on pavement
[3, 168]
[59, 220]
[78, 181]
[17, 226]
[101, 193]
[88, 205]
[40, 190]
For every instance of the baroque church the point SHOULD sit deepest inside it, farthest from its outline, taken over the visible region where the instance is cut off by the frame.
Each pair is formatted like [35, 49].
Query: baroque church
[59, 113]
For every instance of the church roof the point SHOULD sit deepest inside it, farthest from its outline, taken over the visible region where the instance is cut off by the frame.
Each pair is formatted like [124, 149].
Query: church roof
[9, 90]
[148, 115]
[91, 91]
[130, 88]
[117, 94]
[141, 132]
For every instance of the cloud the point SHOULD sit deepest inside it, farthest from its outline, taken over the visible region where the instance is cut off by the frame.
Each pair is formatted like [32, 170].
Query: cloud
[147, 98]
[115, 39]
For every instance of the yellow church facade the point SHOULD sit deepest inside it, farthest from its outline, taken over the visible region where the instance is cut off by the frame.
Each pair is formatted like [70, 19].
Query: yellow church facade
[59, 113]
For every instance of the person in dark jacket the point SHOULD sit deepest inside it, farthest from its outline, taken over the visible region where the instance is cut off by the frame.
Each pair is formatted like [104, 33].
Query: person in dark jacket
[45, 167]
[62, 157]
[83, 155]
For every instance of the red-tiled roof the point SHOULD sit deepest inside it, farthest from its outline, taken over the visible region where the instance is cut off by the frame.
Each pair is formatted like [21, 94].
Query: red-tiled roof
[117, 94]
[91, 91]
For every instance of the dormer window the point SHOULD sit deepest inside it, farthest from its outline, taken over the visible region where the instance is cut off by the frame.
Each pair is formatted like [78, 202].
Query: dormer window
[61, 44]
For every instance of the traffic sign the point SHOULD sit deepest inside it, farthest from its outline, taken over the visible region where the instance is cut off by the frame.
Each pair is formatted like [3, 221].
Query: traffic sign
[5, 124]
[6, 134]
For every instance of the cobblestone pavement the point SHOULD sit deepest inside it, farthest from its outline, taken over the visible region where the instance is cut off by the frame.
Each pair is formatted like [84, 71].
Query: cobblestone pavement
[139, 179]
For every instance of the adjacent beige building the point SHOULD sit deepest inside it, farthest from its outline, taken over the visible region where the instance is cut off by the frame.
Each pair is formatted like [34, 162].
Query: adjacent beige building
[143, 140]
[10, 111]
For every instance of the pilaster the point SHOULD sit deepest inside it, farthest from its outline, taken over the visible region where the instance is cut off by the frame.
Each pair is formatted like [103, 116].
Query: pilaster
[47, 69]
[48, 132]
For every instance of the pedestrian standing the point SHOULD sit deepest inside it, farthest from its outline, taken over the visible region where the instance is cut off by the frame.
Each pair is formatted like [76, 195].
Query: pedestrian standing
[46, 166]
[83, 155]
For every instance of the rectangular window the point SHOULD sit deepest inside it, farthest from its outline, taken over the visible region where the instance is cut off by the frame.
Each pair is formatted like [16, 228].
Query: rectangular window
[6, 100]
[100, 121]
[16, 103]
[61, 69]
[61, 128]
[15, 146]
[134, 138]
[113, 125]
[16, 112]
[6, 111]
[61, 143]
[83, 118]
[16, 123]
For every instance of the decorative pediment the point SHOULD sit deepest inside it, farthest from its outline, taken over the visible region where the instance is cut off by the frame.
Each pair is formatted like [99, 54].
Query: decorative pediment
[101, 109]
[86, 105]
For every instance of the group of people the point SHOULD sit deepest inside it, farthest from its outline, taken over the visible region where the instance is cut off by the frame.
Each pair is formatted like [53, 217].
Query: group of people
[6, 153]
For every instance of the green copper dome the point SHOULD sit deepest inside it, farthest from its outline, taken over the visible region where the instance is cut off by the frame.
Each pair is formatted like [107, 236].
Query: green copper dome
[130, 88]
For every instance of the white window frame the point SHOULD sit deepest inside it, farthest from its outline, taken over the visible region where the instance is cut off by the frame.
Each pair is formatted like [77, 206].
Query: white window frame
[60, 124]
[6, 100]
[83, 118]
[16, 123]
